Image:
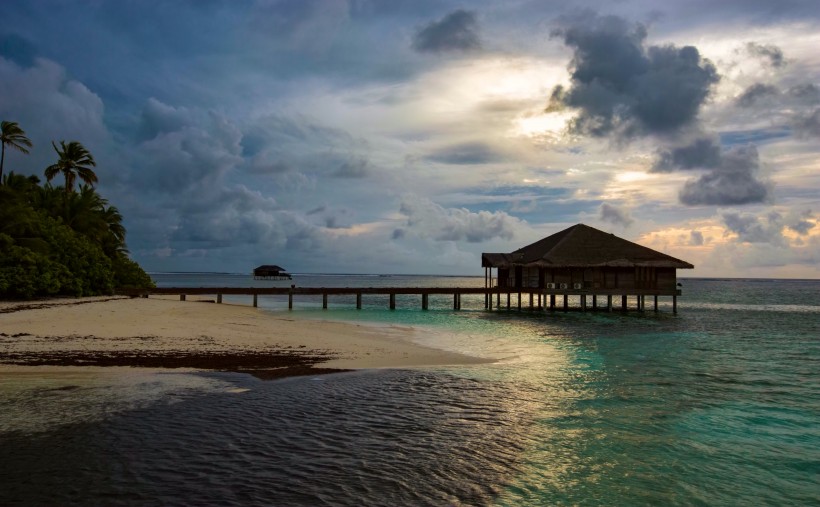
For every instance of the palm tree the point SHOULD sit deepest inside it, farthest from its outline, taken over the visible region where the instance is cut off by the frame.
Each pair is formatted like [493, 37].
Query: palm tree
[15, 137]
[75, 161]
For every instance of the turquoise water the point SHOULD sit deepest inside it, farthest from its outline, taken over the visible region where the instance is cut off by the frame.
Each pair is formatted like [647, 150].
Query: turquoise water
[717, 405]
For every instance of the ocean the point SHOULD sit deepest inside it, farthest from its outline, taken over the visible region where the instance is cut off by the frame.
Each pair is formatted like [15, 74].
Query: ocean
[717, 405]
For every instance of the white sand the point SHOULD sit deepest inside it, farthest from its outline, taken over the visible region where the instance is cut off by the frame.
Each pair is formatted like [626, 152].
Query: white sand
[164, 324]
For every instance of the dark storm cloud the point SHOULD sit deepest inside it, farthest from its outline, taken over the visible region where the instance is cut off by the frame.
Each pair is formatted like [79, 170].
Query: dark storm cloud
[702, 153]
[158, 118]
[733, 182]
[457, 31]
[614, 215]
[695, 238]
[756, 92]
[466, 154]
[770, 52]
[730, 178]
[620, 86]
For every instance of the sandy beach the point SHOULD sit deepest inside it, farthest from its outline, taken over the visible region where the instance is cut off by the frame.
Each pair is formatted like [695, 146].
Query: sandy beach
[199, 335]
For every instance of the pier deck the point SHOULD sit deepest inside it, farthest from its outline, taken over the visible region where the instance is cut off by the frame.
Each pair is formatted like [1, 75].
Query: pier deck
[538, 299]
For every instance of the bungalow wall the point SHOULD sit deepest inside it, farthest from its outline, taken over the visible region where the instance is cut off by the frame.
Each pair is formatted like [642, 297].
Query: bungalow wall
[589, 278]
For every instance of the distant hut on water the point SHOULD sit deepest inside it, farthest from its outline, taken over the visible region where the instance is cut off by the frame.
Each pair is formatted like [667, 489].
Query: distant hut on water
[270, 272]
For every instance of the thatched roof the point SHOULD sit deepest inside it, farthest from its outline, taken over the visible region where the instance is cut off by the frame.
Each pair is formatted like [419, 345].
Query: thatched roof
[583, 246]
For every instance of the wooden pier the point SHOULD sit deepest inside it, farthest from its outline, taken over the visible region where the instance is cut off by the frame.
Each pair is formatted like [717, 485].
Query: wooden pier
[532, 299]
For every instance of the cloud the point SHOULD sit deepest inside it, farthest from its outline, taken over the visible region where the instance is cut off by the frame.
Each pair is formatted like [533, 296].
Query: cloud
[181, 157]
[280, 144]
[457, 31]
[702, 153]
[615, 215]
[354, 168]
[695, 238]
[620, 86]
[428, 219]
[734, 182]
[756, 92]
[158, 118]
[807, 94]
[731, 176]
[49, 105]
[466, 154]
[807, 125]
[753, 229]
[800, 222]
[770, 52]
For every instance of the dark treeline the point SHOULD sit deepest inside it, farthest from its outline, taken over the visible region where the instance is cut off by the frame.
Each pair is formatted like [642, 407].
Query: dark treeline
[60, 240]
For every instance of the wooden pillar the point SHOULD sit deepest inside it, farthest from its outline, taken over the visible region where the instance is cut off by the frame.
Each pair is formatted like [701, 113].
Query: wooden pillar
[583, 302]
[498, 300]
[182, 297]
[456, 301]
[255, 300]
[594, 302]
[540, 304]
[609, 302]
[656, 302]
[324, 301]
[392, 301]
[508, 300]
[675, 304]
[424, 301]
[566, 302]
[358, 300]
[290, 300]
[552, 302]
[531, 302]
[623, 303]
[519, 300]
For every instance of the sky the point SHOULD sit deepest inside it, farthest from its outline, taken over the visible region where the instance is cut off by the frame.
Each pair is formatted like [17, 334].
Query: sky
[410, 136]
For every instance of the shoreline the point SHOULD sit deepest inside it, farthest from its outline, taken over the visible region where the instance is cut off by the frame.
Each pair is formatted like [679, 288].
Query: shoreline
[163, 333]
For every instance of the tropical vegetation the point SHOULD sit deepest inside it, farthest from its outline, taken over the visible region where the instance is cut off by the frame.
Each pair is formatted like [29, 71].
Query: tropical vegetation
[60, 240]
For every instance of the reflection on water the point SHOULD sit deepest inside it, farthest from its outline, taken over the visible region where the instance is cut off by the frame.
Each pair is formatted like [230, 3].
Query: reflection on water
[37, 399]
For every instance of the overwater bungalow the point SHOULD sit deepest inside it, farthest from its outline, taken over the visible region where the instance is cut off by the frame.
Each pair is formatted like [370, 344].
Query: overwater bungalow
[582, 260]
[270, 272]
